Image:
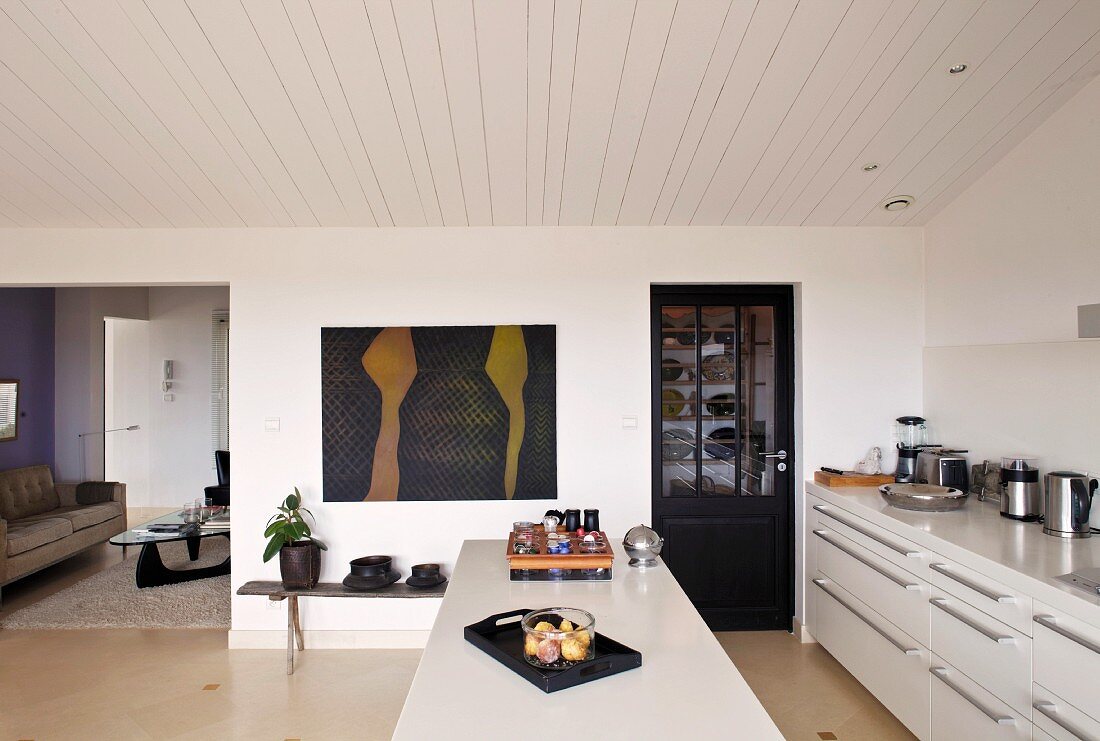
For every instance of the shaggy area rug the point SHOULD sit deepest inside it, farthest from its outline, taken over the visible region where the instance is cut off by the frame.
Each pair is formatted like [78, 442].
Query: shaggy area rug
[111, 599]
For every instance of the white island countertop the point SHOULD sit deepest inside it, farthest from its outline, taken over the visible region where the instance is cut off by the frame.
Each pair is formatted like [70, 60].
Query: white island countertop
[686, 687]
[1017, 553]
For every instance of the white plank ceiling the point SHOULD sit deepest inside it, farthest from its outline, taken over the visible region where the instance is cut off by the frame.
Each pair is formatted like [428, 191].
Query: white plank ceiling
[191, 113]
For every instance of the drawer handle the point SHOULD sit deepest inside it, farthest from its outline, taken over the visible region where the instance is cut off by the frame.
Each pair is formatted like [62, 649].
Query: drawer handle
[866, 562]
[984, 591]
[942, 604]
[864, 531]
[1003, 720]
[900, 647]
[1050, 710]
[1049, 621]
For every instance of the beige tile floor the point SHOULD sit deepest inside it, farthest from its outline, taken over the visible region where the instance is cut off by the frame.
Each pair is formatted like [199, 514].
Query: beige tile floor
[185, 684]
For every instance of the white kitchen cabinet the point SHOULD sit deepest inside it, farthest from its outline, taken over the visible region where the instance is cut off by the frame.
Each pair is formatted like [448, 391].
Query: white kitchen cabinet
[1038, 734]
[876, 652]
[1057, 719]
[901, 552]
[990, 596]
[894, 593]
[991, 653]
[1016, 655]
[1067, 658]
[963, 709]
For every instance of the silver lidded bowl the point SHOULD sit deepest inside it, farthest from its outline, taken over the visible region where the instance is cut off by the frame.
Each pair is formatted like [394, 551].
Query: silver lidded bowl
[923, 497]
[643, 545]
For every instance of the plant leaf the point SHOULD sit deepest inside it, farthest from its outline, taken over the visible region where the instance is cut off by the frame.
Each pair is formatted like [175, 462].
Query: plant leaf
[273, 546]
[320, 545]
[272, 528]
[294, 500]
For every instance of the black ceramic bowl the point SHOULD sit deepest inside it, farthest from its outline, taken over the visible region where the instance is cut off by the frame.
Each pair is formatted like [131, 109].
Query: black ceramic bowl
[722, 405]
[721, 443]
[371, 566]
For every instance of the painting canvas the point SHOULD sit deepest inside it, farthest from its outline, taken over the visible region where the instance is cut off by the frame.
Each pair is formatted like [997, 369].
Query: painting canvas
[439, 413]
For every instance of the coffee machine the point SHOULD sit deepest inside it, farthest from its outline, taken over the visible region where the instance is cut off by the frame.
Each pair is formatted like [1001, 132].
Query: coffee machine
[1021, 497]
[909, 432]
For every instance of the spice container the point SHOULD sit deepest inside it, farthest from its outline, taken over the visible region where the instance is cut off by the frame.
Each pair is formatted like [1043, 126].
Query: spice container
[558, 637]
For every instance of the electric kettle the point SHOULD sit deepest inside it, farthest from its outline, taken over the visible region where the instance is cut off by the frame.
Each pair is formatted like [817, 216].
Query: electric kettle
[1068, 503]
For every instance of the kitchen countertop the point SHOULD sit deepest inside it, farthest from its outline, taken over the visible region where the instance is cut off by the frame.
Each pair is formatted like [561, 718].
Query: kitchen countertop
[686, 687]
[1016, 553]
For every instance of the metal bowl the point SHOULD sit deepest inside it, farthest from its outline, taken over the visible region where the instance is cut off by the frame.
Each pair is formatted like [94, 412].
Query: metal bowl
[923, 497]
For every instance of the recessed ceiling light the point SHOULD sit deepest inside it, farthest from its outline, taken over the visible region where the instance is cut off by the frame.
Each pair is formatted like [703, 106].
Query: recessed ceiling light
[870, 167]
[957, 69]
[898, 203]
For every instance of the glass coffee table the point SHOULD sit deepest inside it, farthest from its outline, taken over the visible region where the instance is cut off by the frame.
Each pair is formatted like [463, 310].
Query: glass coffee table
[151, 571]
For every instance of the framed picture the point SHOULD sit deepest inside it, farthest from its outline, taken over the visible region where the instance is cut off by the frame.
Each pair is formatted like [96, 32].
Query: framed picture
[9, 409]
[439, 413]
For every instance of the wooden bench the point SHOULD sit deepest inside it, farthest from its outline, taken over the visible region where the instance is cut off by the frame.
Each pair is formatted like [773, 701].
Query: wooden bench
[275, 591]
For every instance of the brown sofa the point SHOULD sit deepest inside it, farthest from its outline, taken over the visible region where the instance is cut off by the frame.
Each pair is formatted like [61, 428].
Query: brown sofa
[41, 522]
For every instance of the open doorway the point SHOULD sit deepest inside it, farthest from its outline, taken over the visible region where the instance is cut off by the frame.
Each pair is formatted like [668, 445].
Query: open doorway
[124, 400]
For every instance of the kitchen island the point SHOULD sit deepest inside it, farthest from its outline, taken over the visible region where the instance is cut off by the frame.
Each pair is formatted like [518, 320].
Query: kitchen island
[686, 687]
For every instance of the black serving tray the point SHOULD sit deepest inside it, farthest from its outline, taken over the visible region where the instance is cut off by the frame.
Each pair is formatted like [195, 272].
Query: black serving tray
[504, 642]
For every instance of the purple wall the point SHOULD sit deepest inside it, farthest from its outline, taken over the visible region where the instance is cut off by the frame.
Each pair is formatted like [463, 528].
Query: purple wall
[26, 354]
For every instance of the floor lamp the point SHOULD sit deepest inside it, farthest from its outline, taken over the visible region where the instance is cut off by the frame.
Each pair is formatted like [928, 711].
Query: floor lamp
[82, 435]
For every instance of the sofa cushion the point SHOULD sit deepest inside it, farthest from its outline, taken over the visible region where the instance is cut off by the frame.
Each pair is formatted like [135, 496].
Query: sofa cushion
[27, 491]
[85, 516]
[24, 536]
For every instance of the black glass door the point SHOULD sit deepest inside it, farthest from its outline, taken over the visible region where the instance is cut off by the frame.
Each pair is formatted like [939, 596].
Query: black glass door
[723, 449]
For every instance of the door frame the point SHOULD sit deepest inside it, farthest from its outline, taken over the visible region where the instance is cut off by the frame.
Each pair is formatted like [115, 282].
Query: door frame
[785, 293]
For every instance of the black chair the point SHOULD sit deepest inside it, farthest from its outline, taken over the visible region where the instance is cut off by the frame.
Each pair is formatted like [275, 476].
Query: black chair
[220, 494]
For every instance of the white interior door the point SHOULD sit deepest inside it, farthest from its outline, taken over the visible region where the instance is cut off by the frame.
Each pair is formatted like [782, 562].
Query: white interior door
[126, 393]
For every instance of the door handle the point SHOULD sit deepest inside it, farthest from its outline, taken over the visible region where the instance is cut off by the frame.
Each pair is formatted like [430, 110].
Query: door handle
[780, 454]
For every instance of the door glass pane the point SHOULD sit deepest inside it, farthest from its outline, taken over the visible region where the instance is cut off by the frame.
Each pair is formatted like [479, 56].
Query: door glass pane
[718, 411]
[757, 414]
[678, 385]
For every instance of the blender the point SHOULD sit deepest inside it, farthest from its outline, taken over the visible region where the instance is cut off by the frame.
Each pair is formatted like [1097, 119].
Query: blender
[910, 432]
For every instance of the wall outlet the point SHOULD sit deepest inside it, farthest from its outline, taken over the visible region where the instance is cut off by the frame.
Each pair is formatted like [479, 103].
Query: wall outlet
[169, 397]
[272, 424]
[630, 423]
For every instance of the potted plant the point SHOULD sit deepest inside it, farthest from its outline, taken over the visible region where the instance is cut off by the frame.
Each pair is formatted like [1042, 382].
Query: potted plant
[299, 552]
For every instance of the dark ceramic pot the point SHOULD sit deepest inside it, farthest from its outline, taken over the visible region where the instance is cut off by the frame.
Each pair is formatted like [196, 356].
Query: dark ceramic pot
[300, 565]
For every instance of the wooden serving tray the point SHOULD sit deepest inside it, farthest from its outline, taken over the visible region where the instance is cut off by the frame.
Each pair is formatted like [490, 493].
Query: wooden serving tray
[851, 478]
[544, 560]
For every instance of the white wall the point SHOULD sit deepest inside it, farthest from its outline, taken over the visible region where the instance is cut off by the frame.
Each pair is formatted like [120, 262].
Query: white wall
[126, 403]
[859, 349]
[78, 360]
[181, 459]
[1007, 264]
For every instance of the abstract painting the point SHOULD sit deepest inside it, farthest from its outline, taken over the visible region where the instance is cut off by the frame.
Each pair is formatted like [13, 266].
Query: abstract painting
[439, 413]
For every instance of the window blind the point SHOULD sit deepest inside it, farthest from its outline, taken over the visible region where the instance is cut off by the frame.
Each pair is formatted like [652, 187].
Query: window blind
[219, 382]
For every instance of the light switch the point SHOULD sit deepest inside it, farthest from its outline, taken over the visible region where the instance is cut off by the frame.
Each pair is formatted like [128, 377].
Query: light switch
[630, 423]
[169, 397]
[271, 424]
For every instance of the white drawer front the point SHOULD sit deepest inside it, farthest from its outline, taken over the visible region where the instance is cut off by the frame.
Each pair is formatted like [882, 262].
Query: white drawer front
[989, 596]
[1038, 734]
[993, 654]
[962, 709]
[1067, 659]
[1057, 719]
[889, 663]
[896, 594]
[894, 548]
